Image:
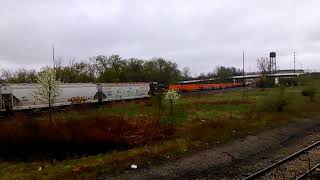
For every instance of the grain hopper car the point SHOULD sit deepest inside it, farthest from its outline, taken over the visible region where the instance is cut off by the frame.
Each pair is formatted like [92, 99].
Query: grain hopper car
[21, 96]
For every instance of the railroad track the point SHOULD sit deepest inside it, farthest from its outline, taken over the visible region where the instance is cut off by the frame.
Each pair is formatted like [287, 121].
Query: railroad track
[303, 164]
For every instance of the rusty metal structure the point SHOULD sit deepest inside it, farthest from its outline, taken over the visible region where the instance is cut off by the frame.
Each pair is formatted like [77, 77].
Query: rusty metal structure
[273, 63]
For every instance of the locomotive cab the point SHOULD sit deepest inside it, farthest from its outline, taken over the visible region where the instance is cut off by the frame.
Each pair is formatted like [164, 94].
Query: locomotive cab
[157, 87]
[153, 88]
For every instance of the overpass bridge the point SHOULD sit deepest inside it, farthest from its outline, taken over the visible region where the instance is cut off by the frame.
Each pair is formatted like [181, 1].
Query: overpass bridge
[279, 74]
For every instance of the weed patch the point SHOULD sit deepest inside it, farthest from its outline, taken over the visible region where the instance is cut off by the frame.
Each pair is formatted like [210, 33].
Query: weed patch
[23, 137]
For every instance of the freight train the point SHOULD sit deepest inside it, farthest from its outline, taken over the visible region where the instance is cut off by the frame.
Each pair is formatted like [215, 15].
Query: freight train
[21, 96]
[14, 97]
[203, 87]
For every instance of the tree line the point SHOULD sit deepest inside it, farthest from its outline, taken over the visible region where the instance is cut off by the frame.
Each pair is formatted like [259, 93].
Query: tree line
[221, 72]
[114, 68]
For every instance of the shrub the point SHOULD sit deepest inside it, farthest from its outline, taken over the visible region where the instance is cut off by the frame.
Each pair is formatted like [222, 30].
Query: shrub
[156, 101]
[78, 135]
[265, 82]
[172, 97]
[275, 102]
[288, 81]
[308, 79]
[309, 92]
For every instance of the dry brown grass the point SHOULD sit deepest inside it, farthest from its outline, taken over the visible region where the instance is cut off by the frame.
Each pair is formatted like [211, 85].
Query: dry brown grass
[214, 130]
[106, 132]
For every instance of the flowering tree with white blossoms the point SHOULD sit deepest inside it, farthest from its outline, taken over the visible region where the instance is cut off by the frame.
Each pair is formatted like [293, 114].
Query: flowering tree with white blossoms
[172, 97]
[48, 89]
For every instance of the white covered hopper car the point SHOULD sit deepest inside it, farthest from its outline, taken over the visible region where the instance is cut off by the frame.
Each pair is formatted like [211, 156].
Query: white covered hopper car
[21, 96]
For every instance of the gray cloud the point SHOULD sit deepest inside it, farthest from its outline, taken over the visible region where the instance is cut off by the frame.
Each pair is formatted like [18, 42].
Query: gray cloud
[199, 34]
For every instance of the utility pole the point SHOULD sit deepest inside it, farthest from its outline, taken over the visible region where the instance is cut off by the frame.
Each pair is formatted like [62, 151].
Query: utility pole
[294, 63]
[275, 65]
[244, 84]
[53, 56]
[243, 65]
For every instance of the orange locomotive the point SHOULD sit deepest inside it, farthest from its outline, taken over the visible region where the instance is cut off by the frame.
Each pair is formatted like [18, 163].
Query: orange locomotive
[200, 87]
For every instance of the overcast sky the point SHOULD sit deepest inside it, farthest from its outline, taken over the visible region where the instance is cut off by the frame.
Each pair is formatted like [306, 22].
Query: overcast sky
[200, 34]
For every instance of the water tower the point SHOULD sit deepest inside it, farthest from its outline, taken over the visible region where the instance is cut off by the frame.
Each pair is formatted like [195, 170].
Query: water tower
[273, 62]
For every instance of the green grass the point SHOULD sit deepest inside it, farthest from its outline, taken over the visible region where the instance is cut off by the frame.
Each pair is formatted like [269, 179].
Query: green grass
[199, 120]
[207, 111]
[92, 165]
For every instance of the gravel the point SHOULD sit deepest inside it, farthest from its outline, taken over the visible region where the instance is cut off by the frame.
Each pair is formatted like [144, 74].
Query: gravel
[234, 160]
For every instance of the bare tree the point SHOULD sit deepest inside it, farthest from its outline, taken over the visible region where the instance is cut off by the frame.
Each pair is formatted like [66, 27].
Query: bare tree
[48, 89]
[186, 73]
[263, 65]
[57, 63]
[6, 75]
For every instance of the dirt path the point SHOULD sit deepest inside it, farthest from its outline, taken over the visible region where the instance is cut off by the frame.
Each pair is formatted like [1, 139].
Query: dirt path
[236, 159]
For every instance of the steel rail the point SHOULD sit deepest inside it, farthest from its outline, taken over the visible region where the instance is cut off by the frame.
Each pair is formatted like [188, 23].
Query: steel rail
[267, 169]
[303, 176]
